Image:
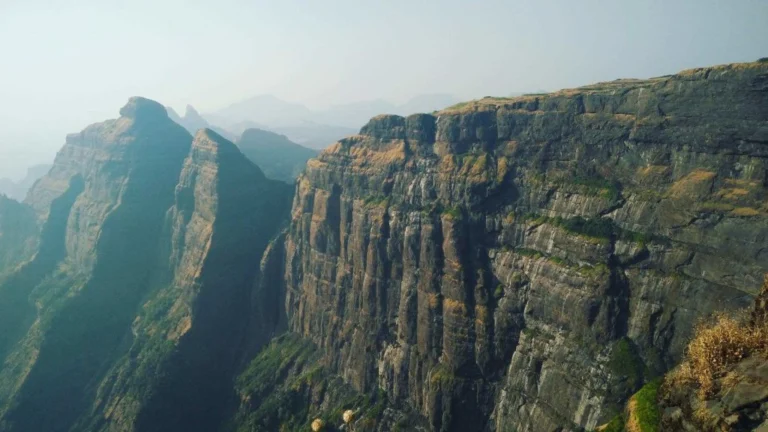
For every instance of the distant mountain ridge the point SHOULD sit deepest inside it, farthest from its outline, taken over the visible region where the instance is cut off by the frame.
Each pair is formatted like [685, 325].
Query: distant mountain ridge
[18, 190]
[272, 112]
[279, 158]
[316, 129]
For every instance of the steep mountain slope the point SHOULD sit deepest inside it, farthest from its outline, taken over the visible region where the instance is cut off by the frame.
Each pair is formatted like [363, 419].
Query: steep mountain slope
[504, 264]
[279, 158]
[142, 279]
[528, 263]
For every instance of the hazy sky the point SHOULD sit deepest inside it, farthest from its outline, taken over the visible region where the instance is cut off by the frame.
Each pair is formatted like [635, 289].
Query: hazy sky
[65, 64]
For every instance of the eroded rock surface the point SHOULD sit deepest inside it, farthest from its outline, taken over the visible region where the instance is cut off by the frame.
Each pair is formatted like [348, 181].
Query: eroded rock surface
[132, 315]
[521, 264]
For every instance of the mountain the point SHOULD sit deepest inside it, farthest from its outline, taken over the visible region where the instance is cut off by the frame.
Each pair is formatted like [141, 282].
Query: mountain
[19, 190]
[354, 115]
[263, 109]
[529, 263]
[315, 129]
[193, 121]
[270, 113]
[538, 263]
[280, 158]
[134, 307]
[312, 135]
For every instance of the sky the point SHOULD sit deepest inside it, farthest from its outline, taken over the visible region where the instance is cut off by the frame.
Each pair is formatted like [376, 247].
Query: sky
[67, 63]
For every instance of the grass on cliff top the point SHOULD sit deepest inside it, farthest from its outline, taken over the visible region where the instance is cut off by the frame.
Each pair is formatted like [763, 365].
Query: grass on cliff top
[600, 87]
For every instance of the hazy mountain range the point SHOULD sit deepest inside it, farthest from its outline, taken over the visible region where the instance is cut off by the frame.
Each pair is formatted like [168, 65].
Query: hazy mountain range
[534, 264]
[311, 128]
[18, 189]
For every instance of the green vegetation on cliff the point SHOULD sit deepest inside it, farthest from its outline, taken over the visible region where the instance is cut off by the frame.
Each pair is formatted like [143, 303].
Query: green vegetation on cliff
[286, 387]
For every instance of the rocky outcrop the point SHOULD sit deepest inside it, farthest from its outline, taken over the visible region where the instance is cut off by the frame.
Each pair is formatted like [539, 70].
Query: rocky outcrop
[133, 312]
[740, 404]
[524, 264]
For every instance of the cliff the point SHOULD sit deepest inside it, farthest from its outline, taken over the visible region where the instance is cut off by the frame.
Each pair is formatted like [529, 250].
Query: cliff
[532, 263]
[134, 309]
[528, 263]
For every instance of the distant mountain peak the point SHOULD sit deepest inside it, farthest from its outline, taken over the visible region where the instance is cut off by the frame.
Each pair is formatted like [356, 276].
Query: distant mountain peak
[209, 138]
[191, 112]
[140, 108]
[257, 133]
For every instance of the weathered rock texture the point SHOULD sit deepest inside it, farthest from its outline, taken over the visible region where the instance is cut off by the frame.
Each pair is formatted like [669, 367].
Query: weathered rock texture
[133, 312]
[522, 264]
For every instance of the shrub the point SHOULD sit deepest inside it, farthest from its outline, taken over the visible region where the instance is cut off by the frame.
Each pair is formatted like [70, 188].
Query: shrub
[453, 212]
[715, 347]
[601, 228]
[625, 361]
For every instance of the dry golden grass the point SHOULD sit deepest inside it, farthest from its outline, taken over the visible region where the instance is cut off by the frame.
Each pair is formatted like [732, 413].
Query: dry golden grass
[733, 193]
[481, 315]
[447, 164]
[749, 184]
[632, 425]
[715, 347]
[455, 306]
[502, 168]
[691, 184]
[394, 152]
[745, 212]
[653, 171]
[433, 300]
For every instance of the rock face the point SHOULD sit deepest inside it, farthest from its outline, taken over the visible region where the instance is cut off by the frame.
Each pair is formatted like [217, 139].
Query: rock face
[523, 264]
[519, 264]
[134, 309]
[740, 404]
